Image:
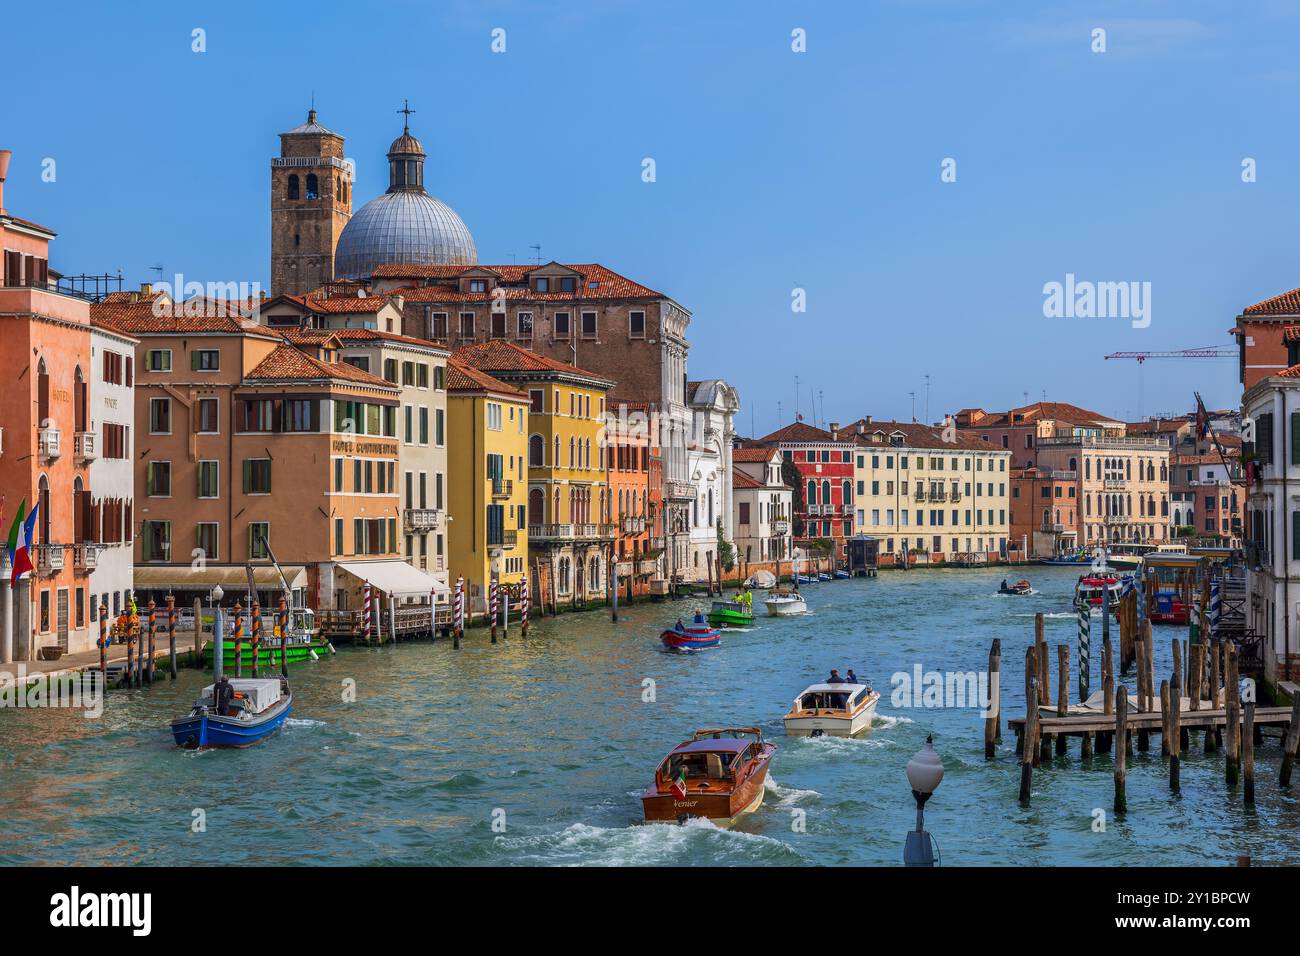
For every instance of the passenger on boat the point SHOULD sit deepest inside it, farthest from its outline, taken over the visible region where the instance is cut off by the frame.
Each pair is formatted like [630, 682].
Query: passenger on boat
[835, 677]
[680, 625]
[1004, 584]
[699, 617]
[222, 695]
[852, 678]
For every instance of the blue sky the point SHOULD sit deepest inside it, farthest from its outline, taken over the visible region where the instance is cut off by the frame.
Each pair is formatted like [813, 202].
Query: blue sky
[775, 169]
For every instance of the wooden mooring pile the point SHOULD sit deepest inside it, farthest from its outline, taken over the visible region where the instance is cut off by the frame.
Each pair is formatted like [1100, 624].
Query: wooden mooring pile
[1200, 703]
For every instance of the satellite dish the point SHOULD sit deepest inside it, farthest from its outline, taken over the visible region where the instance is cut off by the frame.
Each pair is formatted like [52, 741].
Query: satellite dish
[361, 293]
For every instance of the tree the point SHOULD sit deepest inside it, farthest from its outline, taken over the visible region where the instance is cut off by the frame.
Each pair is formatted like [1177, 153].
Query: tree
[790, 476]
[726, 553]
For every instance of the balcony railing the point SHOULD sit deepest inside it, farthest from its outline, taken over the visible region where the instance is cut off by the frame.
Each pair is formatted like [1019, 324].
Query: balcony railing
[502, 487]
[679, 490]
[920, 494]
[49, 442]
[647, 567]
[632, 524]
[954, 495]
[507, 538]
[84, 445]
[569, 532]
[1114, 484]
[938, 494]
[417, 520]
[780, 526]
[49, 558]
[846, 510]
[1135, 444]
[85, 557]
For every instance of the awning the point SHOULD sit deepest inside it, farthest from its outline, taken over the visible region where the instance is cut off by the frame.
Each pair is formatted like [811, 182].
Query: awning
[394, 577]
[232, 578]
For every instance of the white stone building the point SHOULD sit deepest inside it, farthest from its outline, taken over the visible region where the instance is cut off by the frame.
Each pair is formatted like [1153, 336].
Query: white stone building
[108, 442]
[761, 506]
[713, 405]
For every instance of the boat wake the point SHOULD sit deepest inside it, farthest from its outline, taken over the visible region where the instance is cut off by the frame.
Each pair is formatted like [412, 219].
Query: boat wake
[303, 722]
[786, 796]
[881, 721]
[1051, 615]
[650, 844]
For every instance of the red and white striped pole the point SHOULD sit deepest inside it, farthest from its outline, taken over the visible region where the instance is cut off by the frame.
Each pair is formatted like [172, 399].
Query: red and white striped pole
[523, 604]
[492, 608]
[365, 614]
[457, 612]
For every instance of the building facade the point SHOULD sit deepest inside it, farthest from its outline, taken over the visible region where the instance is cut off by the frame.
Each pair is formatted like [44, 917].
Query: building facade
[824, 505]
[311, 202]
[488, 530]
[760, 506]
[713, 405]
[110, 447]
[568, 487]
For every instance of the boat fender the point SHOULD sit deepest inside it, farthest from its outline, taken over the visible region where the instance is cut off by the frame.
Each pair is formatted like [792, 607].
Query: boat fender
[331, 647]
[313, 655]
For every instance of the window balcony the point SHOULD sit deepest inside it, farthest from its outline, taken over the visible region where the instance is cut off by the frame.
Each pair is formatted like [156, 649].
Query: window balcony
[1114, 484]
[502, 488]
[505, 538]
[920, 494]
[49, 443]
[679, 490]
[84, 446]
[780, 526]
[954, 495]
[419, 520]
[938, 495]
[632, 525]
[49, 558]
[647, 567]
[85, 557]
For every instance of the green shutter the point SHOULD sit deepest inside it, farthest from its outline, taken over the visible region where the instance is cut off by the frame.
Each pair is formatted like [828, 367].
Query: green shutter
[1295, 438]
[248, 475]
[1295, 535]
[194, 360]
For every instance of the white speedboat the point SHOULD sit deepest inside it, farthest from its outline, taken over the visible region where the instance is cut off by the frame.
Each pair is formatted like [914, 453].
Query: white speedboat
[836, 710]
[781, 603]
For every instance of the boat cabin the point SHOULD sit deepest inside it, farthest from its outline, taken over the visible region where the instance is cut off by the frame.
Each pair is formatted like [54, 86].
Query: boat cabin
[709, 762]
[833, 698]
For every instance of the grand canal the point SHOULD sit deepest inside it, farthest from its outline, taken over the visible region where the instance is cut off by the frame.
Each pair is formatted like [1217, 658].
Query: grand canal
[534, 752]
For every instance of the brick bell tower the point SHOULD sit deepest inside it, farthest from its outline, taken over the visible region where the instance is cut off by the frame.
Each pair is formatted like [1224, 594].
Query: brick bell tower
[311, 202]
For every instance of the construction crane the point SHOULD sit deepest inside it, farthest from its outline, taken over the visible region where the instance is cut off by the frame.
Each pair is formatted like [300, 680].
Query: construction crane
[1207, 352]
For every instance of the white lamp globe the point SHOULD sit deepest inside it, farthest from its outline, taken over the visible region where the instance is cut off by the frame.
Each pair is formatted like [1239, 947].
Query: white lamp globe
[925, 770]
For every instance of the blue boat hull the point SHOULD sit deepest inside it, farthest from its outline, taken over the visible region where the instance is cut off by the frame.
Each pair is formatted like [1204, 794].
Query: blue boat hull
[208, 730]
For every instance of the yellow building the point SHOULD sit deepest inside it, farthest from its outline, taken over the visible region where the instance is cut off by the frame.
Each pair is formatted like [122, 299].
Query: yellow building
[487, 422]
[570, 531]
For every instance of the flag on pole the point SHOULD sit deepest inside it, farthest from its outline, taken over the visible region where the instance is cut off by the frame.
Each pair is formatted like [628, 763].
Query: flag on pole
[1202, 419]
[20, 540]
[679, 785]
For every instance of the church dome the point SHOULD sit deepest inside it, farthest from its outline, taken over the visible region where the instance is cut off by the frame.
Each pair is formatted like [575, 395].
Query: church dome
[405, 225]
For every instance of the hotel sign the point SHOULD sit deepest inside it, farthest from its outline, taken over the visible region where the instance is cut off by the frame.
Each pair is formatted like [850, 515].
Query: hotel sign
[347, 446]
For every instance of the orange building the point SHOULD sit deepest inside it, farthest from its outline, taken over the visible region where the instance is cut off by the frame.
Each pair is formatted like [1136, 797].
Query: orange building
[635, 471]
[47, 438]
[252, 449]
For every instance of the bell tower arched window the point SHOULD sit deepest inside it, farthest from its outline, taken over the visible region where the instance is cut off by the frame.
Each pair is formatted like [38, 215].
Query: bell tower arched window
[292, 192]
[313, 186]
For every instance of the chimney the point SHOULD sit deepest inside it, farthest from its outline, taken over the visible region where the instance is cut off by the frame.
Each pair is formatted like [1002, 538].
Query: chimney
[835, 431]
[146, 290]
[862, 428]
[5, 156]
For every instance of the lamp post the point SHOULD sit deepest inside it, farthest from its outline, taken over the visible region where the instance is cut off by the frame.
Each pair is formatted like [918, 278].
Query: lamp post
[924, 772]
[218, 646]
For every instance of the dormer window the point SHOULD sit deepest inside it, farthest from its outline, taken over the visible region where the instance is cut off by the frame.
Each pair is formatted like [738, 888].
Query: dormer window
[543, 285]
[568, 284]
[478, 285]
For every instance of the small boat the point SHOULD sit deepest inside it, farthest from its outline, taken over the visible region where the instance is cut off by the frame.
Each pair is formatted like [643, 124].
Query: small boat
[823, 576]
[717, 774]
[1168, 607]
[257, 709]
[690, 637]
[738, 613]
[837, 710]
[1090, 587]
[1020, 587]
[842, 575]
[302, 643]
[804, 579]
[783, 603]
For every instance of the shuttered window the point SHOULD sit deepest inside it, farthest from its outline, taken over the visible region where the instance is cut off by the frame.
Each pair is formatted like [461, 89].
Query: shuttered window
[1295, 438]
[1264, 438]
[1295, 535]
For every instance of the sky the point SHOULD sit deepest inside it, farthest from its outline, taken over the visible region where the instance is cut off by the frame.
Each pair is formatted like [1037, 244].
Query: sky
[922, 171]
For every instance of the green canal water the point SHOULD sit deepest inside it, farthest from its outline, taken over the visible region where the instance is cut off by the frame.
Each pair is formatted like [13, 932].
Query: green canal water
[534, 753]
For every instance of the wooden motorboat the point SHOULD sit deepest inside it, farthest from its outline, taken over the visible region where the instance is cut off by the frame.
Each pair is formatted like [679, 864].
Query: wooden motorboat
[717, 774]
[257, 708]
[783, 603]
[1088, 591]
[836, 710]
[690, 637]
[1020, 587]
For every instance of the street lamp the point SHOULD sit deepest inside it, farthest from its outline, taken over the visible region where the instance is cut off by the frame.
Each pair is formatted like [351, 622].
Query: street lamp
[924, 773]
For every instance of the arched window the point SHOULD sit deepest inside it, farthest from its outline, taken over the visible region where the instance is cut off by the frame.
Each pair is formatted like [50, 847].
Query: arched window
[43, 495]
[293, 186]
[313, 187]
[79, 401]
[79, 522]
[1074, 464]
[571, 445]
[556, 458]
[42, 394]
[848, 491]
[536, 506]
[826, 492]
[812, 492]
[537, 451]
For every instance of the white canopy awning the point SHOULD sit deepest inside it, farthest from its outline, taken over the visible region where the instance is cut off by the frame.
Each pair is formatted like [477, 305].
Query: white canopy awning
[394, 577]
[231, 577]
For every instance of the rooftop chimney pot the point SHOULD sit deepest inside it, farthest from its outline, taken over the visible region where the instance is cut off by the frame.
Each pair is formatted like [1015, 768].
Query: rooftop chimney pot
[5, 156]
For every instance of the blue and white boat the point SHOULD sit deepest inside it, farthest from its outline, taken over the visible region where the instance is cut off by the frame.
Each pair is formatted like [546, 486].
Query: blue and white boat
[257, 708]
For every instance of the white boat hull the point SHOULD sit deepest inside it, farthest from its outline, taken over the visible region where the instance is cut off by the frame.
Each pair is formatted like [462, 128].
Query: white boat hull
[786, 608]
[831, 726]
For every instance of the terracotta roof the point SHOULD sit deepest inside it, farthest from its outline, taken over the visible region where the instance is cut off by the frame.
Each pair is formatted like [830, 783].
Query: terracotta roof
[286, 363]
[916, 435]
[741, 480]
[1290, 333]
[752, 453]
[498, 356]
[465, 378]
[1288, 303]
[1041, 411]
[609, 284]
[348, 303]
[1292, 372]
[800, 432]
[378, 335]
[28, 224]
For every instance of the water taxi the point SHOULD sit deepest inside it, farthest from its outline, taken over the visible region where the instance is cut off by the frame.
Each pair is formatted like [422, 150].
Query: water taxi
[737, 613]
[690, 637]
[1020, 587]
[717, 774]
[783, 603]
[1088, 591]
[837, 710]
[255, 709]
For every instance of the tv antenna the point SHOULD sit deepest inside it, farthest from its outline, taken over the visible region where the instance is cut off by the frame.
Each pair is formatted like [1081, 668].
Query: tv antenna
[537, 250]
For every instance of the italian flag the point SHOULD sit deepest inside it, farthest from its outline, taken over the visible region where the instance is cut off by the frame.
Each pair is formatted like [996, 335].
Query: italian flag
[20, 540]
[679, 785]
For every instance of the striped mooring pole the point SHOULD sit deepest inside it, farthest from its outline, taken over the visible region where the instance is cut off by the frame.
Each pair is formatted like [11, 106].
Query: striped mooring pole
[458, 612]
[171, 635]
[1085, 639]
[523, 604]
[103, 647]
[1216, 608]
[153, 629]
[257, 632]
[365, 614]
[433, 613]
[1141, 598]
[492, 607]
[239, 639]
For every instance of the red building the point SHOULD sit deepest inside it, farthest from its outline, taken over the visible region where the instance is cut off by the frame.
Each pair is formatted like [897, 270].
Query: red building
[823, 502]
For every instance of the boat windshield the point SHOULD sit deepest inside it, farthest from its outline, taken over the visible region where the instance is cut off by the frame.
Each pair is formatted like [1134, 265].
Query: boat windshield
[707, 765]
[824, 700]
